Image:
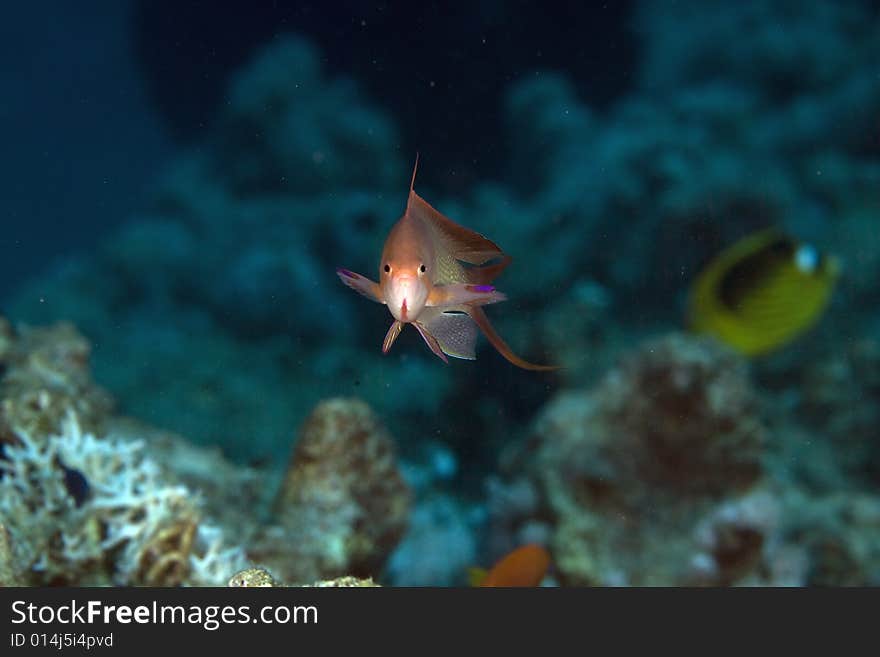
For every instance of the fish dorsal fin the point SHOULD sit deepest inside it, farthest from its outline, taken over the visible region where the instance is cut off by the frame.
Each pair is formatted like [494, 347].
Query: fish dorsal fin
[412, 182]
[457, 246]
[461, 243]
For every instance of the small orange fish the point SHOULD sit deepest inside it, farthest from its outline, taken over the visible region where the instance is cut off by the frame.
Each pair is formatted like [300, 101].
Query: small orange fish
[436, 275]
[525, 566]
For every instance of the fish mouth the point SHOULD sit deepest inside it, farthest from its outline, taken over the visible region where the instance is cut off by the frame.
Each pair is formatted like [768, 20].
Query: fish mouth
[403, 311]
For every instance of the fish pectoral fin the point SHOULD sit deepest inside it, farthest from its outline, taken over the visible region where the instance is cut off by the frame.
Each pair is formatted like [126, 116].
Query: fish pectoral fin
[393, 331]
[361, 284]
[457, 294]
[431, 341]
[453, 330]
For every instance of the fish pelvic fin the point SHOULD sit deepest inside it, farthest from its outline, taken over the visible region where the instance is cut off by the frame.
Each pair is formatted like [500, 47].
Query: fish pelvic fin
[477, 314]
[393, 331]
[432, 342]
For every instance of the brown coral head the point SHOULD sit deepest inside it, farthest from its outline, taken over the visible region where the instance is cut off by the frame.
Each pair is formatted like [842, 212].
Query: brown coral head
[343, 471]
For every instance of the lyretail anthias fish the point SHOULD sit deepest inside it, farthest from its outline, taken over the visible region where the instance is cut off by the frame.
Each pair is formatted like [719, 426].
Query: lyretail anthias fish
[436, 275]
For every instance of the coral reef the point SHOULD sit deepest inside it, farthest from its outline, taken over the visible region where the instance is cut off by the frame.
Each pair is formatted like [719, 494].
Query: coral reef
[46, 375]
[131, 504]
[840, 396]
[840, 534]
[630, 468]
[83, 510]
[253, 577]
[667, 473]
[684, 421]
[8, 572]
[346, 582]
[343, 504]
[234, 496]
[740, 541]
[259, 577]
[80, 505]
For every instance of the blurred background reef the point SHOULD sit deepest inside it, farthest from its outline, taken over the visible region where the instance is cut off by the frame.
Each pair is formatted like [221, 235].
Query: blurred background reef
[186, 389]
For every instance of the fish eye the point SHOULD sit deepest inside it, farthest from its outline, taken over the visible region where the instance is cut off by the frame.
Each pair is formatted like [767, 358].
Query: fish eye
[387, 268]
[807, 259]
[422, 269]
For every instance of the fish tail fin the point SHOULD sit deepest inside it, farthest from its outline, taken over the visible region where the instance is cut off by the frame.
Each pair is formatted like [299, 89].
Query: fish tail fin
[500, 345]
[412, 182]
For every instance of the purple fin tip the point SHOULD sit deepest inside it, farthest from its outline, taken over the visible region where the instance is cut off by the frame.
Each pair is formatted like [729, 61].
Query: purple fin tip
[345, 272]
[483, 288]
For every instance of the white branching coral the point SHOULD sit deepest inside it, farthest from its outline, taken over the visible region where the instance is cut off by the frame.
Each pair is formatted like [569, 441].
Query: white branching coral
[88, 510]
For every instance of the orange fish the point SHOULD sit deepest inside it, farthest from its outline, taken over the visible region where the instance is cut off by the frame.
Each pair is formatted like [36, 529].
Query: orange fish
[436, 275]
[525, 566]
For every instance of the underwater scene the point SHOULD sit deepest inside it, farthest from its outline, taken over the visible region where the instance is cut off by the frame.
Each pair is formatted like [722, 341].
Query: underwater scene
[441, 294]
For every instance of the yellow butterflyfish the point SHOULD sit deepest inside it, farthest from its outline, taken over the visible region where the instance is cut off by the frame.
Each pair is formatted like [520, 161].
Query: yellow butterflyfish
[762, 292]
